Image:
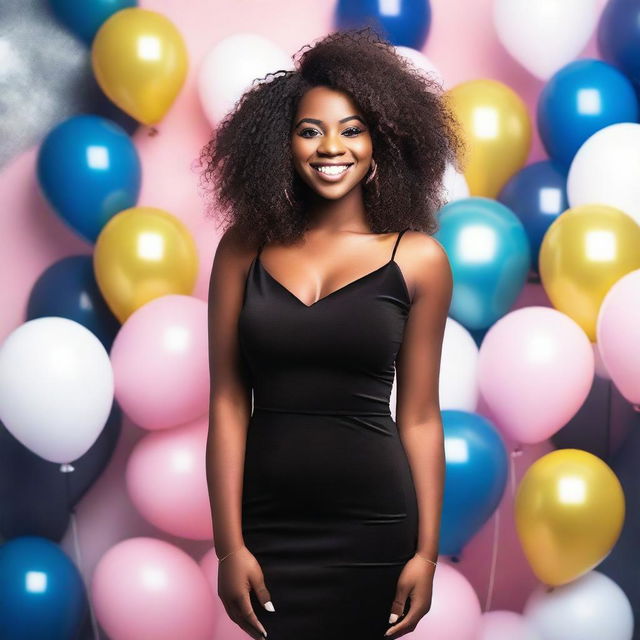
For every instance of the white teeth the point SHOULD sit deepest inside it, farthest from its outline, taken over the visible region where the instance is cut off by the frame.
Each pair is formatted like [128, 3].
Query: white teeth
[334, 170]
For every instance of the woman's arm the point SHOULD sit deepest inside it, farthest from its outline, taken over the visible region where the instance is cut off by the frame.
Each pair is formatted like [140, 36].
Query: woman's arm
[230, 395]
[418, 367]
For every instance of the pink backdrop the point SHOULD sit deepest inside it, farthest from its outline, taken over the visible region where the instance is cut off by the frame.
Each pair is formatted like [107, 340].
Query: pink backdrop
[462, 44]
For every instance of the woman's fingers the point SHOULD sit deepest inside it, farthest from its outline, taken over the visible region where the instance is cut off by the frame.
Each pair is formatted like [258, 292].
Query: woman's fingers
[417, 610]
[241, 612]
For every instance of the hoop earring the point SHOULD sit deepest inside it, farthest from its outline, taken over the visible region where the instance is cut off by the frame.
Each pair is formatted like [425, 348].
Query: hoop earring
[286, 195]
[371, 176]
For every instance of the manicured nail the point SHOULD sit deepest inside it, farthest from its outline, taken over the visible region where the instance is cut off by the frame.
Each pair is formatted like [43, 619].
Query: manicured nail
[269, 606]
[393, 617]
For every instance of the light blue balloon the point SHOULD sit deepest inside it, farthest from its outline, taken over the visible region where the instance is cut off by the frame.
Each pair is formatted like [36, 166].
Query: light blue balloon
[490, 258]
[85, 17]
[475, 478]
[580, 99]
[89, 170]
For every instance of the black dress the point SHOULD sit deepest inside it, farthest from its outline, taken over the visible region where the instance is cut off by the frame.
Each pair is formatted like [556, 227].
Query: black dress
[329, 506]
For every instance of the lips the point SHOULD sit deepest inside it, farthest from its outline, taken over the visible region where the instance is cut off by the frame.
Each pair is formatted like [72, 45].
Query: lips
[331, 177]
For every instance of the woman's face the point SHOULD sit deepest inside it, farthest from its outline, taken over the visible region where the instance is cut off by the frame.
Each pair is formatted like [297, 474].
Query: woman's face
[329, 129]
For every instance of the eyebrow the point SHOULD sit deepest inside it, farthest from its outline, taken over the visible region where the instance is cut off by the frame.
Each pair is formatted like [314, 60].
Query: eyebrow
[314, 121]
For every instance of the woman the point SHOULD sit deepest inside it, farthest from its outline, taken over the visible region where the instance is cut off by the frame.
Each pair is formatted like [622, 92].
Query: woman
[326, 511]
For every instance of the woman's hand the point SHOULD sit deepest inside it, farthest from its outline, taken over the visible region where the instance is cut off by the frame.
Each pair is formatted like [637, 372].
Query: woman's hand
[416, 583]
[237, 575]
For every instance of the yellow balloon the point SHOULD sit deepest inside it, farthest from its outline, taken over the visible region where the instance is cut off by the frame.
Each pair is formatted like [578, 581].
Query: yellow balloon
[569, 511]
[141, 254]
[584, 252]
[140, 62]
[497, 130]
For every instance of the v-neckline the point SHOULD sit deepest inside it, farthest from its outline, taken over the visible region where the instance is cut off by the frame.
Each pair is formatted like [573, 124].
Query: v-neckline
[258, 261]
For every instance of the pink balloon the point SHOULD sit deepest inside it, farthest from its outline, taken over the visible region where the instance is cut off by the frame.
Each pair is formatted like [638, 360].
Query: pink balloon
[161, 364]
[455, 609]
[505, 625]
[535, 368]
[618, 333]
[148, 589]
[167, 480]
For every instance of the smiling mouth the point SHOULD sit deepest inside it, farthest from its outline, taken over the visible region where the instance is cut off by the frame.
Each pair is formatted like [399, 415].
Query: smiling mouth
[332, 172]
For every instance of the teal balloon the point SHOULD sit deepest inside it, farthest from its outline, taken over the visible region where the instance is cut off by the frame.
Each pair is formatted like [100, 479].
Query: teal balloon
[490, 258]
[475, 477]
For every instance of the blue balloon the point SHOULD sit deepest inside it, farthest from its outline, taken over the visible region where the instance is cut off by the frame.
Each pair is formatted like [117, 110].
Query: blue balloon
[489, 255]
[68, 289]
[42, 594]
[89, 170]
[85, 17]
[537, 194]
[403, 22]
[619, 36]
[580, 99]
[475, 478]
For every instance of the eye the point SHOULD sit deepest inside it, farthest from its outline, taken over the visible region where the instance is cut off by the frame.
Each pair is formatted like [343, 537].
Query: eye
[355, 130]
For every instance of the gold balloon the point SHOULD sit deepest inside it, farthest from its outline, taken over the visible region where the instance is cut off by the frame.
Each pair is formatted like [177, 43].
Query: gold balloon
[569, 511]
[141, 254]
[584, 252]
[140, 62]
[497, 130]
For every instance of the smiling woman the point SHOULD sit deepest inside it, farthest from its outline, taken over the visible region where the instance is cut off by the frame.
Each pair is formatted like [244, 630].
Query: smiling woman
[326, 510]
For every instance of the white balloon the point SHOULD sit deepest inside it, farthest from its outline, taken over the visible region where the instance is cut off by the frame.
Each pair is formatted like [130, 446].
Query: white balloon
[421, 61]
[56, 387]
[458, 370]
[544, 35]
[454, 184]
[592, 607]
[501, 624]
[606, 169]
[230, 67]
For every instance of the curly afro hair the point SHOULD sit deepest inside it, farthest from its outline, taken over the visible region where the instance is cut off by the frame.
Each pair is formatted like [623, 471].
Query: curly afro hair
[247, 163]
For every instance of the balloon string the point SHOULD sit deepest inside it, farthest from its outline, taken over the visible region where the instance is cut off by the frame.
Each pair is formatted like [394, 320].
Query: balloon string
[78, 554]
[494, 558]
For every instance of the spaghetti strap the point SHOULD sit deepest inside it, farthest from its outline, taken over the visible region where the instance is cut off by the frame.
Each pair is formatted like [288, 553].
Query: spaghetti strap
[395, 246]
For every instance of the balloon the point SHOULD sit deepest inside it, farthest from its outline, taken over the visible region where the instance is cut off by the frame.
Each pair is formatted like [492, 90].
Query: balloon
[56, 387]
[582, 98]
[84, 17]
[140, 61]
[148, 588]
[160, 363]
[35, 498]
[537, 195]
[458, 369]
[535, 369]
[543, 36]
[142, 254]
[592, 607]
[476, 475]
[42, 594]
[604, 170]
[455, 609]
[167, 480]
[229, 68]
[505, 625]
[88, 170]
[497, 129]
[619, 36]
[68, 289]
[421, 62]
[584, 252]
[569, 511]
[490, 258]
[618, 332]
[405, 23]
